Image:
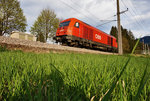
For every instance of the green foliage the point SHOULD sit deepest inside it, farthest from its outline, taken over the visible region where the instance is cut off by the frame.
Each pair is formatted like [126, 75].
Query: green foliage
[3, 49]
[128, 39]
[11, 17]
[107, 96]
[144, 79]
[45, 26]
[72, 77]
[114, 32]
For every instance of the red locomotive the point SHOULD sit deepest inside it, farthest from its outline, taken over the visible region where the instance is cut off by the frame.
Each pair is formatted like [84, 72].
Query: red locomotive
[74, 32]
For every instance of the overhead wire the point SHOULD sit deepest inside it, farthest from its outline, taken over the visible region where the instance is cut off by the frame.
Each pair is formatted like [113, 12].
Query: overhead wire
[75, 10]
[121, 10]
[135, 11]
[127, 17]
[82, 13]
[85, 10]
[124, 14]
[140, 18]
[106, 23]
[136, 20]
[91, 14]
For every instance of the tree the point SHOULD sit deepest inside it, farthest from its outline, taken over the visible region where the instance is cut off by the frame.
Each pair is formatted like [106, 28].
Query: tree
[114, 32]
[46, 25]
[125, 45]
[11, 17]
[128, 39]
[131, 35]
[131, 40]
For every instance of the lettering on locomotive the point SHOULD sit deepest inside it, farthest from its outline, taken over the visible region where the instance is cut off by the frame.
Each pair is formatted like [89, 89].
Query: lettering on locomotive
[97, 36]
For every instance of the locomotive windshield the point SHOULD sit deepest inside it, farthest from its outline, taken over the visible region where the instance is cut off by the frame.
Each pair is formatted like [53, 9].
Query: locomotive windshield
[64, 24]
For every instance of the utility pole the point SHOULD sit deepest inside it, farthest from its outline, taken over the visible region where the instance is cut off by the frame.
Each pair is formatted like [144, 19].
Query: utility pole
[148, 48]
[120, 50]
[143, 47]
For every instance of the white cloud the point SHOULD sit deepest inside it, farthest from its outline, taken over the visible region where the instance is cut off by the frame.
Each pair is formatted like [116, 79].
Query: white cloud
[142, 16]
[140, 33]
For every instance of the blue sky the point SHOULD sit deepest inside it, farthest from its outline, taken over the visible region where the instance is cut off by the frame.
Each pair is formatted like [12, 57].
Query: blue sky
[137, 19]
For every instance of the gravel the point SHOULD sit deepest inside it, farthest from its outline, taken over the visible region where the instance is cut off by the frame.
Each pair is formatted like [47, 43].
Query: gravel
[39, 47]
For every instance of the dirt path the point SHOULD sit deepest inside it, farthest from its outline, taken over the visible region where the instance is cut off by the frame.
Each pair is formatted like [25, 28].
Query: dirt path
[39, 47]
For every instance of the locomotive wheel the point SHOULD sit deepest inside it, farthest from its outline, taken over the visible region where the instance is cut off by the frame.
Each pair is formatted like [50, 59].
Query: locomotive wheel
[76, 44]
[64, 43]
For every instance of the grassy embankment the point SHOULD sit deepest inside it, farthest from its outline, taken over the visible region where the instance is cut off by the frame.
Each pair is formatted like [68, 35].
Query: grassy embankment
[73, 77]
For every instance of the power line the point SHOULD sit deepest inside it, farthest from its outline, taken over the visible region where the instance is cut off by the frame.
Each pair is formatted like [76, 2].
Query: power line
[137, 23]
[106, 23]
[79, 11]
[76, 10]
[136, 11]
[140, 18]
[91, 14]
[125, 14]
[136, 20]
[85, 10]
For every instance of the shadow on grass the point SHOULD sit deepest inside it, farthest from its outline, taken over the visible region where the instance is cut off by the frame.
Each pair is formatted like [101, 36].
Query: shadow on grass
[48, 88]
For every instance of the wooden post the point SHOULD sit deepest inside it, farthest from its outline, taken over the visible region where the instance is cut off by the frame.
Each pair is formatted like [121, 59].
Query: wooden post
[120, 50]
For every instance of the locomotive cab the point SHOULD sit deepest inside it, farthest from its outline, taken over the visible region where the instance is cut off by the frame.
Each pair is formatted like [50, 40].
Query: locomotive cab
[67, 29]
[62, 30]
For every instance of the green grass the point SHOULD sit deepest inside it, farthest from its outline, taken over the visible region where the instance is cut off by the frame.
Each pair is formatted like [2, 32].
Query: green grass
[3, 49]
[73, 77]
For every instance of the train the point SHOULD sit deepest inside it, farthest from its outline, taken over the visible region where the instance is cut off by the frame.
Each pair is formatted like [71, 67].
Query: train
[74, 32]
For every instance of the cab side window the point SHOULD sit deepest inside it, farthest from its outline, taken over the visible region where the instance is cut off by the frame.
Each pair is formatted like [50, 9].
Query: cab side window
[77, 25]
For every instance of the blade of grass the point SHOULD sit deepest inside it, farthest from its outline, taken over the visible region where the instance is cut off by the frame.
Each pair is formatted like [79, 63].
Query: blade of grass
[142, 83]
[135, 46]
[107, 96]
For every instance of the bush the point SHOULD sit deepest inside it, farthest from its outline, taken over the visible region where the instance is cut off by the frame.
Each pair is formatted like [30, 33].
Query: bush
[3, 49]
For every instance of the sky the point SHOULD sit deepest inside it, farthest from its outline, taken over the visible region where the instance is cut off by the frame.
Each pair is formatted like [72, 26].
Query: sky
[95, 13]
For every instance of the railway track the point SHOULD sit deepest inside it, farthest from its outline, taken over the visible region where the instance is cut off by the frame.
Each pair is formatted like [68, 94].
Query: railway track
[39, 47]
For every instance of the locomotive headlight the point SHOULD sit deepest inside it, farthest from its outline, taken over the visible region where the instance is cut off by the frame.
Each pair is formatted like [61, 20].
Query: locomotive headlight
[97, 36]
[77, 24]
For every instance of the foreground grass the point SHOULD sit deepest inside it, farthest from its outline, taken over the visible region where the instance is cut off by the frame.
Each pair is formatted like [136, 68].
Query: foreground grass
[72, 77]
